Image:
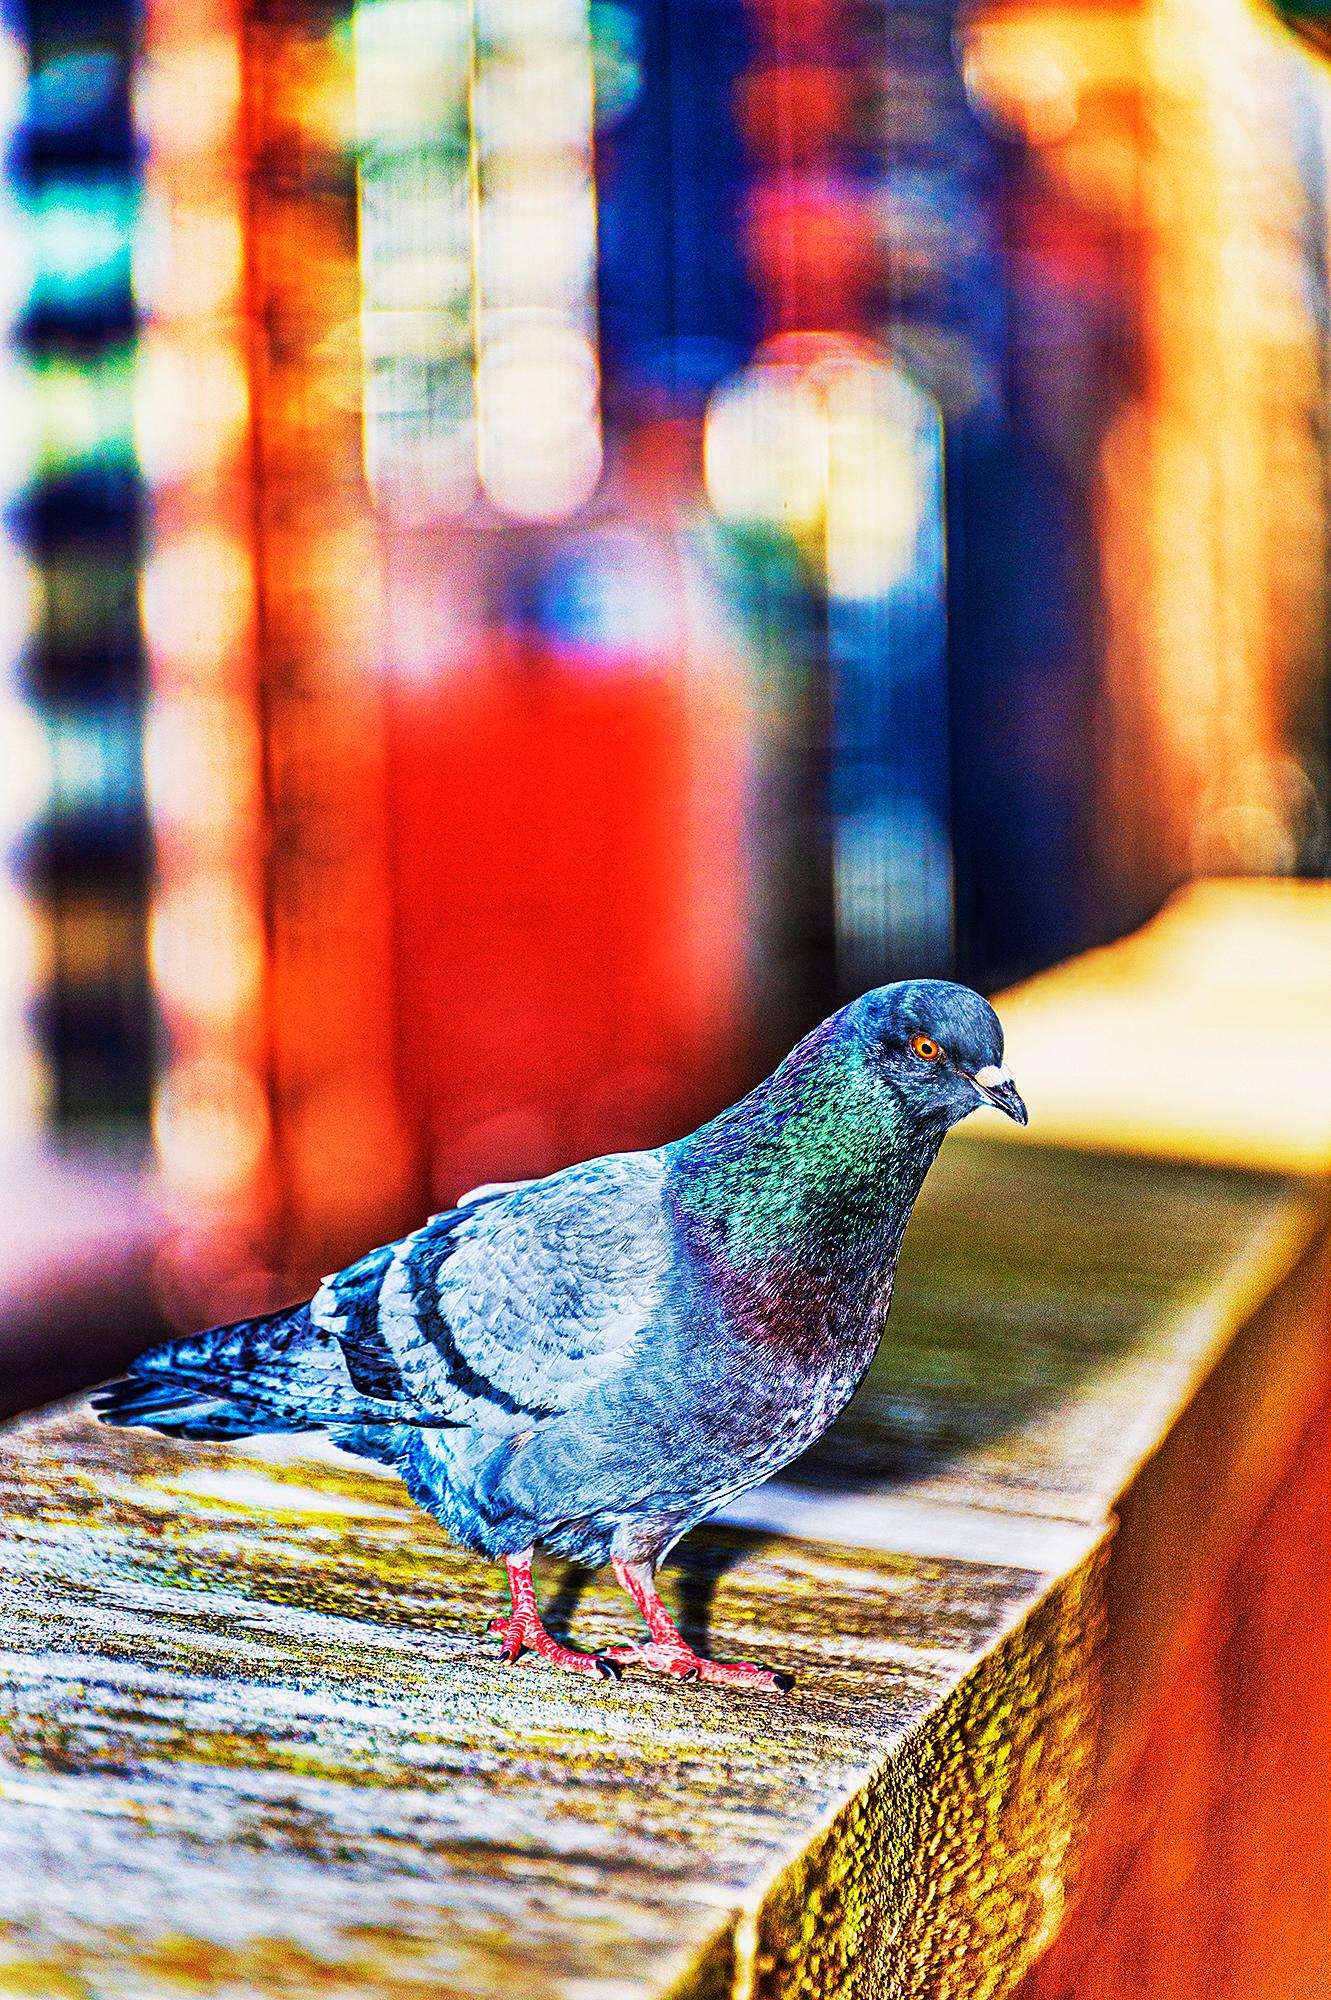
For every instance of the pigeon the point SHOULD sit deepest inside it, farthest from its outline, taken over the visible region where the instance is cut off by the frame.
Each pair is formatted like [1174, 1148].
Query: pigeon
[598, 1360]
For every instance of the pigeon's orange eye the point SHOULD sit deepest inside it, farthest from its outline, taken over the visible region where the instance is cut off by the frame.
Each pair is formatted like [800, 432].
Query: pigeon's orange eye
[925, 1048]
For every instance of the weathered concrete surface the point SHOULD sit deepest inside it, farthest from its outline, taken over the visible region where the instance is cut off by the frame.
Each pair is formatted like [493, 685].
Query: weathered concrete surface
[254, 1739]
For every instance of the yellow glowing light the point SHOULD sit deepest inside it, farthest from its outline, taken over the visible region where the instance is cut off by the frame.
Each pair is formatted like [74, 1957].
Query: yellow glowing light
[205, 948]
[411, 59]
[190, 403]
[477, 253]
[197, 597]
[1025, 75]
[188, 98]
[835, 444]
[873, 482]
[536, 97]
[190, 263]
[202, 756]
[210, 1125]
[537, 373]
[538, 244]
[412, 73]
[21, 949]
[84, 413]
[765, 450]
[540, 442]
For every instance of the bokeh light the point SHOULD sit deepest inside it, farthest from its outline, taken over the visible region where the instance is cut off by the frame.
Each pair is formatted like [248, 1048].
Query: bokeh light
[551, 542]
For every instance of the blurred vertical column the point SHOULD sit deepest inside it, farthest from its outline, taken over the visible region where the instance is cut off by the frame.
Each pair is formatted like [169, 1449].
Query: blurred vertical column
[23, 1071]
[209, 950]
[823, 457]
[415, 169]
[344, 1161]
[564, 742]
[478, 256]
[1217, 585]
[85, 859]
[538, 384]
[277, 1121]
[824, 454]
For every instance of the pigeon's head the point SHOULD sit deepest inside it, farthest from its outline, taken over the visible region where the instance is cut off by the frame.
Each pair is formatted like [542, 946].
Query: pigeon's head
[940, 1046]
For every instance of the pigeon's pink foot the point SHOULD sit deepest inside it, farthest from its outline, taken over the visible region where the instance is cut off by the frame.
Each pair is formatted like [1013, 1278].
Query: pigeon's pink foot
[669, 1652]
[526, 1635]
[680, 1661]
[523, 1631]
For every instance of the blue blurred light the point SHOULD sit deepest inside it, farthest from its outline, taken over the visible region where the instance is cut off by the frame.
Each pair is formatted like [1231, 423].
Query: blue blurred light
[73, 90]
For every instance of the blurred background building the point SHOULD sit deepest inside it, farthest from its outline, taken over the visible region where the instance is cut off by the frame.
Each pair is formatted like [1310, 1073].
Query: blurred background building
[546, 542]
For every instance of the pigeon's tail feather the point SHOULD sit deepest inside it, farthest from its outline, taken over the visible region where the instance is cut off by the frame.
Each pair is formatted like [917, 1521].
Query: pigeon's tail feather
[178, 1409]
[208, 1387]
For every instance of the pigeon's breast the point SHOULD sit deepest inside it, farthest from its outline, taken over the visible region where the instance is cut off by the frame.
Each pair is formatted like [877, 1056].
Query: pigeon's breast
[788, 1346]
[826, 1315]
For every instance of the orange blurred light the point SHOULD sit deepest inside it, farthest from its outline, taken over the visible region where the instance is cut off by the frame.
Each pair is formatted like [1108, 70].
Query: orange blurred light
[197, 599]
[210, 1124]
[206, 948]
[190, 406]
[188, 96]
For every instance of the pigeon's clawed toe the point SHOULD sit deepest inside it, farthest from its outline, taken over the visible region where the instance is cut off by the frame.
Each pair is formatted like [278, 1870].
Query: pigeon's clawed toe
[683, 1664]
[525, 1635]
[680, 1662]
[746, 1674]
[668, 1651]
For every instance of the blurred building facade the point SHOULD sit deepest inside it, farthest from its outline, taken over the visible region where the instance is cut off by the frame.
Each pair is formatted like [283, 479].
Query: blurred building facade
[555, 541]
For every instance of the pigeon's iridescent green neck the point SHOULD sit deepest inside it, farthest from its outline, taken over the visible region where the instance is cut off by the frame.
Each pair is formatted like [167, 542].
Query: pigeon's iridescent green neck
[821, 1155]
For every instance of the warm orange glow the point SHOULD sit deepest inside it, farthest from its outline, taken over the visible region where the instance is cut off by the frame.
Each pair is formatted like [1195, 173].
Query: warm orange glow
[203, 766]
[1169, 124]
[190, 409]
[189, 92]
[206, 947]
[191, 265]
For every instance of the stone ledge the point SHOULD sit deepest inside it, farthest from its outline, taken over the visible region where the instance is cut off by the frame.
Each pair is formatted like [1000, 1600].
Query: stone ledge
[253, 1740]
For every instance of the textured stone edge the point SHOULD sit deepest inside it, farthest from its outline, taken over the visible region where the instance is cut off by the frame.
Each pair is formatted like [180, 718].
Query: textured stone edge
[948, 1868]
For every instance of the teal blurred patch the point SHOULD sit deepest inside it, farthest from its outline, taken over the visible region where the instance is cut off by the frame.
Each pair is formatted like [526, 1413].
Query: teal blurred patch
[82, 243]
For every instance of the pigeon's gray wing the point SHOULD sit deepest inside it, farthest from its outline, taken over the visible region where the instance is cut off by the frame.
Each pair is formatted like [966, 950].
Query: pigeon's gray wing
[514, 1307]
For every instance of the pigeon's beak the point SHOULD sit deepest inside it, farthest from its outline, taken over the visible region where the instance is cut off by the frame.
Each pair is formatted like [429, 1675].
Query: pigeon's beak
[996, 1087]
